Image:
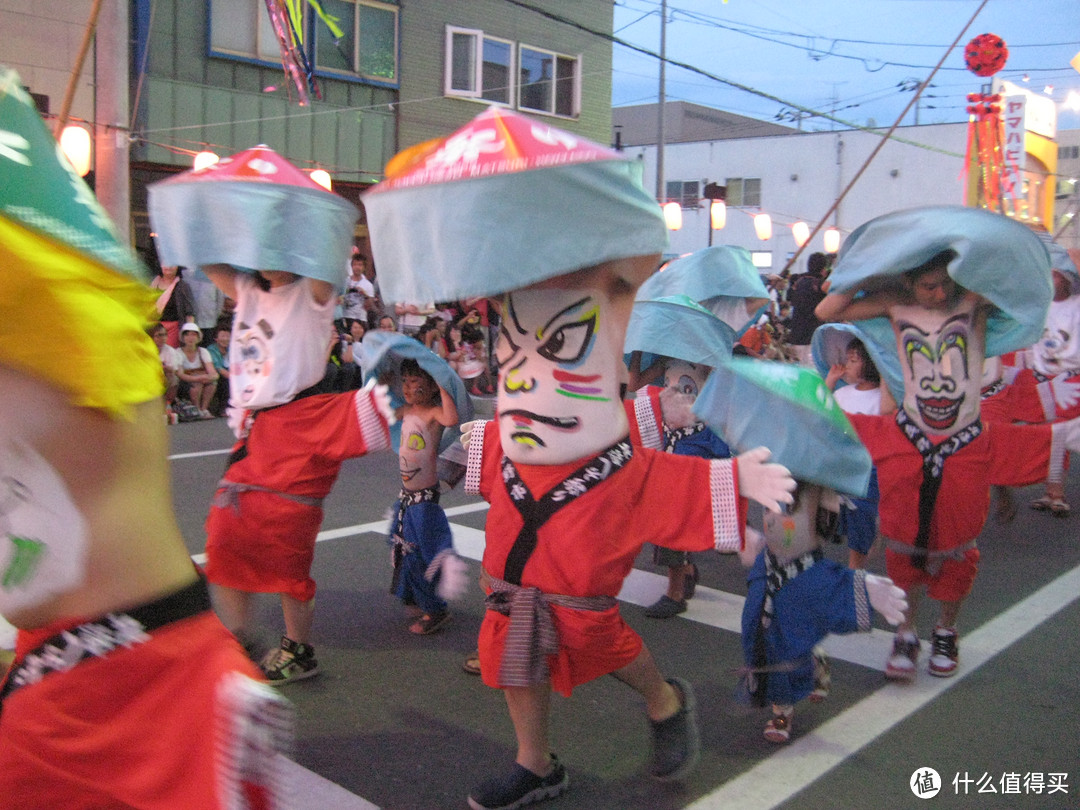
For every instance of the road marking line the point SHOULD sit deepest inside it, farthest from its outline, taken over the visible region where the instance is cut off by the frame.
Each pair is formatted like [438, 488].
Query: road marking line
[179, 456]
[814, 754]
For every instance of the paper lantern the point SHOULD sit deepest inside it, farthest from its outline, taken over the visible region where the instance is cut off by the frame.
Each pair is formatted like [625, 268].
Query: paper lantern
[673, 216]
[204, 159]
[832, 240]
[718, 214]
[75, 144]
[763, 226]
[322, 177]
[801, 232]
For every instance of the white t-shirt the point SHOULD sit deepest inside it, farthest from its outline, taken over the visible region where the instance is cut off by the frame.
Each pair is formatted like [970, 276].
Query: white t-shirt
[280, 341]
[202, 357]
[170, 357]
[852, 400]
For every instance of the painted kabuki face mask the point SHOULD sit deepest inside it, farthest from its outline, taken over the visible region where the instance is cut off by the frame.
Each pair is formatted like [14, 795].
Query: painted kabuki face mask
[682, 382]
[560, 357]
[941, 354]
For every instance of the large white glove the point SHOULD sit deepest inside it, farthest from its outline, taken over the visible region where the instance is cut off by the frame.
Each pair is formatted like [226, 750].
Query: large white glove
[768, 484]
[453, 578]
[886, 598]
[466, 429]
[1066, 392]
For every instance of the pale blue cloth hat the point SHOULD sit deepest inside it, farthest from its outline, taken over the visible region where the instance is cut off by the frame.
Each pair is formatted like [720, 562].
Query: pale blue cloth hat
[676, 327]
[503, 203]
[996, 257]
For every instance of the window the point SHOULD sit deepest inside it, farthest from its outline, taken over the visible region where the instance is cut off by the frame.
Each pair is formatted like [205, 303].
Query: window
[1068, 152]
[744, 192]
[243, 28]
[683, 192]
[369, 45]
[548, 81]
[478, 66]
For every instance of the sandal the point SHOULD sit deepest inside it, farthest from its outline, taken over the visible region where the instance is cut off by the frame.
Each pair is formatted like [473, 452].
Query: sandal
[1055, 506]
[778, 730]
[428, 624]
[471, 664]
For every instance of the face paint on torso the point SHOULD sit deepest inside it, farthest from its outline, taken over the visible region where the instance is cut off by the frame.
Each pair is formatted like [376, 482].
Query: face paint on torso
[559, 355]
[941, 355]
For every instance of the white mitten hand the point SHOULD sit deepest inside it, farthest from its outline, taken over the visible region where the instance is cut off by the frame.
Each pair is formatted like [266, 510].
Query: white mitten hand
[380, 397]
[466, 429]
[755, 541]
[886, 598]
[453, 578]
[1065, 390]
[768, 484]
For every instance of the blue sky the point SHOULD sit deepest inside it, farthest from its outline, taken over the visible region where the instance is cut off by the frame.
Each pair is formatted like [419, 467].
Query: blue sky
[852, 56]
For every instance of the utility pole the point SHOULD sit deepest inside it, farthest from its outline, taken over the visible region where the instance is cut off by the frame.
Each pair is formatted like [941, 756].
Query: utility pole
[111, 145]
[661, 191]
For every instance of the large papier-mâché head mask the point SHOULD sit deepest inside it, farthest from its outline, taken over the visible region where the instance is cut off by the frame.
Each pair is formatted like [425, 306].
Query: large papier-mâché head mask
[560, 374]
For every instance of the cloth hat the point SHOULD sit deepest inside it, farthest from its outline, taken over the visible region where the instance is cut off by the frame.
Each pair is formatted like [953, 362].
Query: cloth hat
[503, 203]
[788, 409]
[720, 278]
[256, 211]
[191, 327]
[675, 326]
[381, 355]
[996, 257]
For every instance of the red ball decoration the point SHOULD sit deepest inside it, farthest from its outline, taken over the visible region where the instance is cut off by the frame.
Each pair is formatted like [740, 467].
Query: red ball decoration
[986, 54]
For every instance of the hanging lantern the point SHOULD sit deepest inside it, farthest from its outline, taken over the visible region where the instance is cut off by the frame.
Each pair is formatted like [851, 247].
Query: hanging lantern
[75, 144]
[986, 54]
[673, 216]
[718, 214]
[204, 159]
[763, 226]
[801, 231]
[832, 240]
[322, 177]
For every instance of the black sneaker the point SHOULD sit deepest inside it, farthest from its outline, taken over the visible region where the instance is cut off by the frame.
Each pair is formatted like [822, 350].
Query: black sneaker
[944, 652]
[520, 787]
[676, 741]
[292, 661]
[665, 607]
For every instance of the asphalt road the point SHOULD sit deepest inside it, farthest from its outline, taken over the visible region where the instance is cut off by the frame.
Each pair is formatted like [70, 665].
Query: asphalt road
[394, 722]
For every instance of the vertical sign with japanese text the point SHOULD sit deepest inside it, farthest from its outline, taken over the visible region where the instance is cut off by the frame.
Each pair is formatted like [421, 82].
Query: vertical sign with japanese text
[1012, 114]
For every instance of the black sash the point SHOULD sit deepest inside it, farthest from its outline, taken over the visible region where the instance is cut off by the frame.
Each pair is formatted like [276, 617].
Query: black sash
[536, 513]
[933, 467]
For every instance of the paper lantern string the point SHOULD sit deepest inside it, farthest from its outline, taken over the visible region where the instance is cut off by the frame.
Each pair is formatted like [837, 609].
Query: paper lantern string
[984, 146]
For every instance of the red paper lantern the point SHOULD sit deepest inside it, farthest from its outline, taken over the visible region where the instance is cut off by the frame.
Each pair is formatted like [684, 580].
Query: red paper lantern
[986, 54]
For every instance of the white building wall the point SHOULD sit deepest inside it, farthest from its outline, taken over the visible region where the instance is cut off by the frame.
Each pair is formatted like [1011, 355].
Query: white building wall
[801, 175]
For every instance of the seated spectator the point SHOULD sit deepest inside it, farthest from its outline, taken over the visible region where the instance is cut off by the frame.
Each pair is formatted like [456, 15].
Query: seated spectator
[387, 324]
[219, 355]
[198, 379]
[432, 334]
[170, 363]
[472, 365]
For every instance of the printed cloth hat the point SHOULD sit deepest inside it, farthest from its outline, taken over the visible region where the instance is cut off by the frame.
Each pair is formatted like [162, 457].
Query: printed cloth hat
[996, 257]
[720, 278]
[674, 326]
[191, 327]
[66, 278]
[828, 347]
[501, 204]
[255, 211]
[804, 428]
[381, 354]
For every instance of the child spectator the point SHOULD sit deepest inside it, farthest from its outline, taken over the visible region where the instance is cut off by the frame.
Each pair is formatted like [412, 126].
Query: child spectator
[219, 354]
[170, 363]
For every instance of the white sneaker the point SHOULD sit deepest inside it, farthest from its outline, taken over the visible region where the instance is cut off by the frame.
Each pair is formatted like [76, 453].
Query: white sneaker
[904, 657]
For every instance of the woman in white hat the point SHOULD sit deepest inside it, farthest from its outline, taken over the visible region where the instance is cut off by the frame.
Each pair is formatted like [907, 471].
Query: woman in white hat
[197, 373]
